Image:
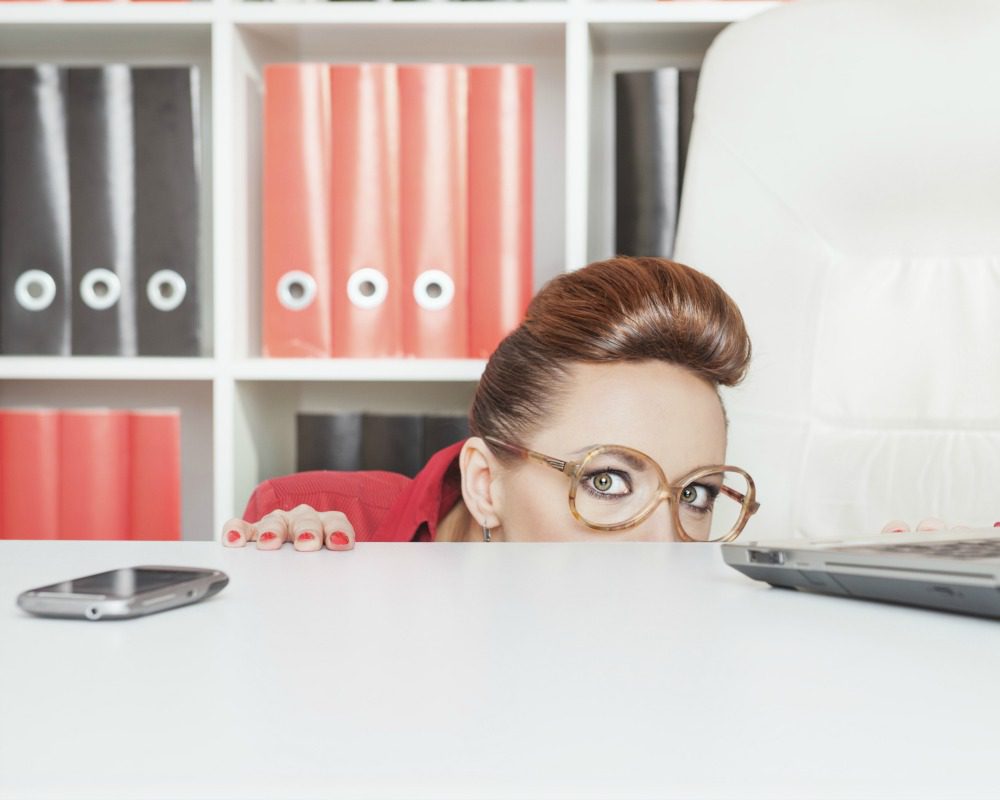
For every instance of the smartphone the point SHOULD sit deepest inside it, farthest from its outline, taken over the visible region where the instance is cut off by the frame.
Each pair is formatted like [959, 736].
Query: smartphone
[123, 593]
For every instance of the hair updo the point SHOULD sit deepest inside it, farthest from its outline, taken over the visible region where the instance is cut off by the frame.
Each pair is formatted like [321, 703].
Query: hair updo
[622, 309]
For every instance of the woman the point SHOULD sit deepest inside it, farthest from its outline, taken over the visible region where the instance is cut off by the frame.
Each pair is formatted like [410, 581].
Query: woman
[597, 418]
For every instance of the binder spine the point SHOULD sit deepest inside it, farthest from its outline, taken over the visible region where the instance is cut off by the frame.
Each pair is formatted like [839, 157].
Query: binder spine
[328, 441]
[296, 284]
[34, 213]
[500, 202]
[29, 472]
[646, 157]
[166, 211]
[102, 202]
[392, 442]
[154, 474]
[434, 212]
[93, 474]
[367, 277]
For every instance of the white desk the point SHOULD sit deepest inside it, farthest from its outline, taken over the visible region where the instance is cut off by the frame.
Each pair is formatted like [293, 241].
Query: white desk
[449, 670]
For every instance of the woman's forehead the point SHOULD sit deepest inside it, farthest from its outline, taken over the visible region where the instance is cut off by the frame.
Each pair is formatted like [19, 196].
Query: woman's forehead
[661, 409]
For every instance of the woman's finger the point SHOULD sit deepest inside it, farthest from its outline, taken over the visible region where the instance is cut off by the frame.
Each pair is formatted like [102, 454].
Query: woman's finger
[896, 526]
[272, 530]
[932, 524]
[338, 532]
[236, 533]
[306, 529]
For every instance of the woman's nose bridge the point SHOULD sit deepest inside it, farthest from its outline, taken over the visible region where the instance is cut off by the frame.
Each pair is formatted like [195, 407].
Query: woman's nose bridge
[659, 525]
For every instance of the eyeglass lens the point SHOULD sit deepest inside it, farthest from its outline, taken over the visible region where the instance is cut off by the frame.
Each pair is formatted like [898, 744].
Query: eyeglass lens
[615, 486]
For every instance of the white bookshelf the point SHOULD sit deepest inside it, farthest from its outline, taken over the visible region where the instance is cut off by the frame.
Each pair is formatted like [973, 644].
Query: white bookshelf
[238, 409]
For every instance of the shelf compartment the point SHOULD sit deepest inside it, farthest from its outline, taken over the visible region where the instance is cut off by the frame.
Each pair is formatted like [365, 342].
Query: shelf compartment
[150, 43]
[264, 418]
[541, 44]
[193, 398]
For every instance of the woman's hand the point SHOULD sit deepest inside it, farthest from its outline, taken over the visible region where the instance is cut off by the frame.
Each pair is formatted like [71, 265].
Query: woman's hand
[304, 526]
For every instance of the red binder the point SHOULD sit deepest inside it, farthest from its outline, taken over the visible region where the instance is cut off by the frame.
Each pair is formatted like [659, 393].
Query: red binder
[297, 184]
[29, 489]
[434, 209]
[364, 221]
[155, 474]
[500, 202]
[93, 474]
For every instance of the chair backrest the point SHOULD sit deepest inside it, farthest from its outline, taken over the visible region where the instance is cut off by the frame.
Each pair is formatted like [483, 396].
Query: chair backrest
[843, 185]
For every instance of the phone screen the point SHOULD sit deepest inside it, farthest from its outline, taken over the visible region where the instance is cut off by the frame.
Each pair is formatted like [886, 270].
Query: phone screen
[121, 582]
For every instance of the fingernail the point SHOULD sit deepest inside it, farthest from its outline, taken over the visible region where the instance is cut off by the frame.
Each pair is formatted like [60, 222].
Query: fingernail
[306, 536]
[339, 537]
[267, 536]
[996, 524]
[233, 536]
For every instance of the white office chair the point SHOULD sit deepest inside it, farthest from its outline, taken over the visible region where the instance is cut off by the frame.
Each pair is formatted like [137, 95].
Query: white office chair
[843, 185]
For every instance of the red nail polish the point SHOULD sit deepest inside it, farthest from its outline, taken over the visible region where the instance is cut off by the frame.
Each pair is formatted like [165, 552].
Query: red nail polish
[339, 537]
[306, 536]
[996, 524]
[268, 536]
[233, 536]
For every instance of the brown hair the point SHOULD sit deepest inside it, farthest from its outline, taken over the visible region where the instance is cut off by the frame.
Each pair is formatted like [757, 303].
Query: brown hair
[622, 309]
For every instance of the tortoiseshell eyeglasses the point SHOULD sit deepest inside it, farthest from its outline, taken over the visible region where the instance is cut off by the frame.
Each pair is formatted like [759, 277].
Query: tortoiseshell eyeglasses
[613, 488]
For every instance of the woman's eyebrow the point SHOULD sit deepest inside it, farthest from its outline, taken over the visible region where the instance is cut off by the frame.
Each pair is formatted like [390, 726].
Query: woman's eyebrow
[712, 479]
[633, 461]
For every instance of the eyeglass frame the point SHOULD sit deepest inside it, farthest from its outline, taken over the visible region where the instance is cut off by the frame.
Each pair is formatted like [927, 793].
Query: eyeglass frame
[666, 491]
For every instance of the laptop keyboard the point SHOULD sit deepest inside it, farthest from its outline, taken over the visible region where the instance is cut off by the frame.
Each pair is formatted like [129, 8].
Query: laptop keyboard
[964, 549]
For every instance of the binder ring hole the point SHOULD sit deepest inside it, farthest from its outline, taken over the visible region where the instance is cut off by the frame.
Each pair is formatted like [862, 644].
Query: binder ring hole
[434, 290]
[165, 290]
[100, 289]
[35, 290]
[296, 290]
[367, 288]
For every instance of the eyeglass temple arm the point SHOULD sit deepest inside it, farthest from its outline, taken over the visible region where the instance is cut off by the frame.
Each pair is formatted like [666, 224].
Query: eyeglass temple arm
[548, 461]
[739, 497]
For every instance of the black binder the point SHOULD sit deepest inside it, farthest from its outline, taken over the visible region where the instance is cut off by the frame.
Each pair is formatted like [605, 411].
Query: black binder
[34, 213]
[101, 173]
[393, 442]
[166, 210]
[653, 113]
[687, 92]
[328, 441]
[441, 431]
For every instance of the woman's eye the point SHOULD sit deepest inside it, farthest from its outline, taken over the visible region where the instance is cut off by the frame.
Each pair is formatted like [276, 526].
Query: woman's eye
[607, 483]
[699, 497]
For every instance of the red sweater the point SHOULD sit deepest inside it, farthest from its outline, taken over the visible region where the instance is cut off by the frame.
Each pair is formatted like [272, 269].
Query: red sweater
[382, 506]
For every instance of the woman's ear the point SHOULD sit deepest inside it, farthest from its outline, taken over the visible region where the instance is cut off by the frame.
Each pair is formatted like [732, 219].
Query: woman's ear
[480, 487]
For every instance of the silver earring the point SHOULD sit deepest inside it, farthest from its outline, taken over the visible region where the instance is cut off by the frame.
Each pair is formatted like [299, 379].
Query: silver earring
[486, 534]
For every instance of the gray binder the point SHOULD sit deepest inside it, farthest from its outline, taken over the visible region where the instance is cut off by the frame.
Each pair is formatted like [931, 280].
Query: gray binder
[34, 213]
[653, 112]
[101, 191]
[166, 210]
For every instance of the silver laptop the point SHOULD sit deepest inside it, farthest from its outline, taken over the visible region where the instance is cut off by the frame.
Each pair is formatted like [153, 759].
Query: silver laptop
[948, 570]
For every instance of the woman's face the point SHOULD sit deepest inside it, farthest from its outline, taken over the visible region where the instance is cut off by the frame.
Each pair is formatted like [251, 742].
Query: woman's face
[662, 410]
